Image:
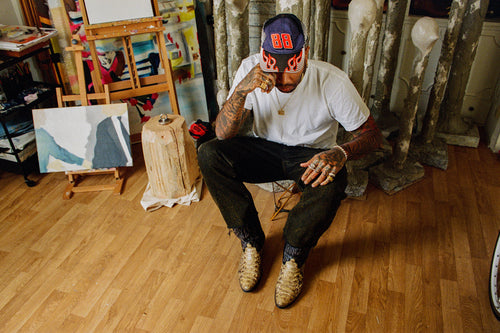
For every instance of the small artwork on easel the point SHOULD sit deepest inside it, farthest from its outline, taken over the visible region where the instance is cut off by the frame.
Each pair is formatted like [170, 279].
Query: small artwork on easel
[82, 137]
[99, 11]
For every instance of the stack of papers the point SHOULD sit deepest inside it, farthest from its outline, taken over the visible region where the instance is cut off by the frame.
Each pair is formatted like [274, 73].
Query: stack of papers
[18, 37]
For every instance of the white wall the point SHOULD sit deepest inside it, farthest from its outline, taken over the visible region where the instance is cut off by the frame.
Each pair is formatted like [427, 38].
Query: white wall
[10, 12]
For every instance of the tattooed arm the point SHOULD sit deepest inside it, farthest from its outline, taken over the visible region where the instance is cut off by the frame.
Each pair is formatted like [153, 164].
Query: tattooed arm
[365, 139]
[233, 114]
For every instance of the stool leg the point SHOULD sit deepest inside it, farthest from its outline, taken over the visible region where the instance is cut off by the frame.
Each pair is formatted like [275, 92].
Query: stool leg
[278, 209]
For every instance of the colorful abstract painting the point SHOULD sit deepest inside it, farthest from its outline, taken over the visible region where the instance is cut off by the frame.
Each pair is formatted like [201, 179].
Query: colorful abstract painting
[82, 137]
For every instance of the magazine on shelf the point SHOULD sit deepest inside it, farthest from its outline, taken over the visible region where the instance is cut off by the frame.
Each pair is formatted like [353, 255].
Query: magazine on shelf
[18, 37]
[20, 142]
[27, 151]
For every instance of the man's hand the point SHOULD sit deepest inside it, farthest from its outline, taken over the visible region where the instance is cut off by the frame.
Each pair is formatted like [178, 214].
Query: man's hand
[323, 167]
[233, 113]
[257, 78]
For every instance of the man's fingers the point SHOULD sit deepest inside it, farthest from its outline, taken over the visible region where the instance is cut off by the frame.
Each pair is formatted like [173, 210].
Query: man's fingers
[310, 169]
[266, 82]
[320, 175]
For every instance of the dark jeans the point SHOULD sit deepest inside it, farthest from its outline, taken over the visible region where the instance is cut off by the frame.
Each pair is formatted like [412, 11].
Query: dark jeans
[226, 164]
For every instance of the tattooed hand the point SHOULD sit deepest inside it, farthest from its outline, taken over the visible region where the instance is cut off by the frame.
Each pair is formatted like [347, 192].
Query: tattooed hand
[233, 114]
[323, 166]
[257, 78]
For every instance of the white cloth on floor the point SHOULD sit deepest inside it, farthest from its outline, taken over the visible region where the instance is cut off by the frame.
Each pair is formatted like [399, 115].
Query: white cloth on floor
[151, 203]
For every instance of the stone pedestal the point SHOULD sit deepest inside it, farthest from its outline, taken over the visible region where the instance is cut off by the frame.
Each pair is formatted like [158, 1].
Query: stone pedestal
[434, 154]
[357, 174]
[357, 182]
[467, 139]
[392, 180]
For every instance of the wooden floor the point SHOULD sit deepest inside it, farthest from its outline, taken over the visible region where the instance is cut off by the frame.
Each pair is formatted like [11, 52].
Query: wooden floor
[414, 261]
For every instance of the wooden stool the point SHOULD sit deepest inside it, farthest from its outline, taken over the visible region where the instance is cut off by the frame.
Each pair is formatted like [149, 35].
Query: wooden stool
[170, 157]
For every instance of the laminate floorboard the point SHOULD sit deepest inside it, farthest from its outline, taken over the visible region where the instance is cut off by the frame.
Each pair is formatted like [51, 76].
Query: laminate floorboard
[417, 260]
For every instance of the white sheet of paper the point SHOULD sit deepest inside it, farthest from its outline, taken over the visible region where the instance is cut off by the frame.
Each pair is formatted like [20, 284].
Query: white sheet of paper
[102, 11]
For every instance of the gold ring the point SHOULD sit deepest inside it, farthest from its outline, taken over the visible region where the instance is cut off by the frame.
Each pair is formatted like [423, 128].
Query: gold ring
[263, 85]
[330, 178]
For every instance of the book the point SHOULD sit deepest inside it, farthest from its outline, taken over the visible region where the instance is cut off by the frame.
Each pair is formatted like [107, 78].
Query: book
[18, 37]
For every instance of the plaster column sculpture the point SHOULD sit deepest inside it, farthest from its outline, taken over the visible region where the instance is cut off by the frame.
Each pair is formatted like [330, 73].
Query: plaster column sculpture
[321, 29]
[453, 127]
[396, 13]
[238, 33]
[287, 6]
[424, 35]
[372, 41]
[306, 14]
[219, 10]
[400, 172]
[428, 149]
[361, 16]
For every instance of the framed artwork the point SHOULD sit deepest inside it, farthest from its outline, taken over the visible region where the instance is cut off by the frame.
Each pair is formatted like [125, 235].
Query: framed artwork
[82, 137]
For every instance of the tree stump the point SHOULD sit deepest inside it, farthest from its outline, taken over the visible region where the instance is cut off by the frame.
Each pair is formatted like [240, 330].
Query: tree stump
[170, 159]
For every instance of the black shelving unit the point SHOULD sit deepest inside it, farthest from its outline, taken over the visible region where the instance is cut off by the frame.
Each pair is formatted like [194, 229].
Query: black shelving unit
[46, 92]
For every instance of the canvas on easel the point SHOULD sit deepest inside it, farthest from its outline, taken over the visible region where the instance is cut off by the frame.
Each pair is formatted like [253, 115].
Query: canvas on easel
[84, 140]
[122, 31]
[82, 137]
[99, 11]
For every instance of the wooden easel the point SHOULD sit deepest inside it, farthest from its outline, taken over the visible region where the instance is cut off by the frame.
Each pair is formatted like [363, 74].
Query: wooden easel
[135, 86]
[84, 97]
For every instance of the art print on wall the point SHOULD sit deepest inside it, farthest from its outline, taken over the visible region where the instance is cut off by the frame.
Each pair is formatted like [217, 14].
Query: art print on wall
[82, 137]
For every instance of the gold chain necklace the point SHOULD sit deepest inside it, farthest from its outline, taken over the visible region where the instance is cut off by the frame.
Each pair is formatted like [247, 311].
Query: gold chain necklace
[281, 110]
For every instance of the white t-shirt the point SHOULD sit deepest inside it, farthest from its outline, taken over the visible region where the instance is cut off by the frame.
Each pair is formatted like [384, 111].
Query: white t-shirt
[324, 98]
